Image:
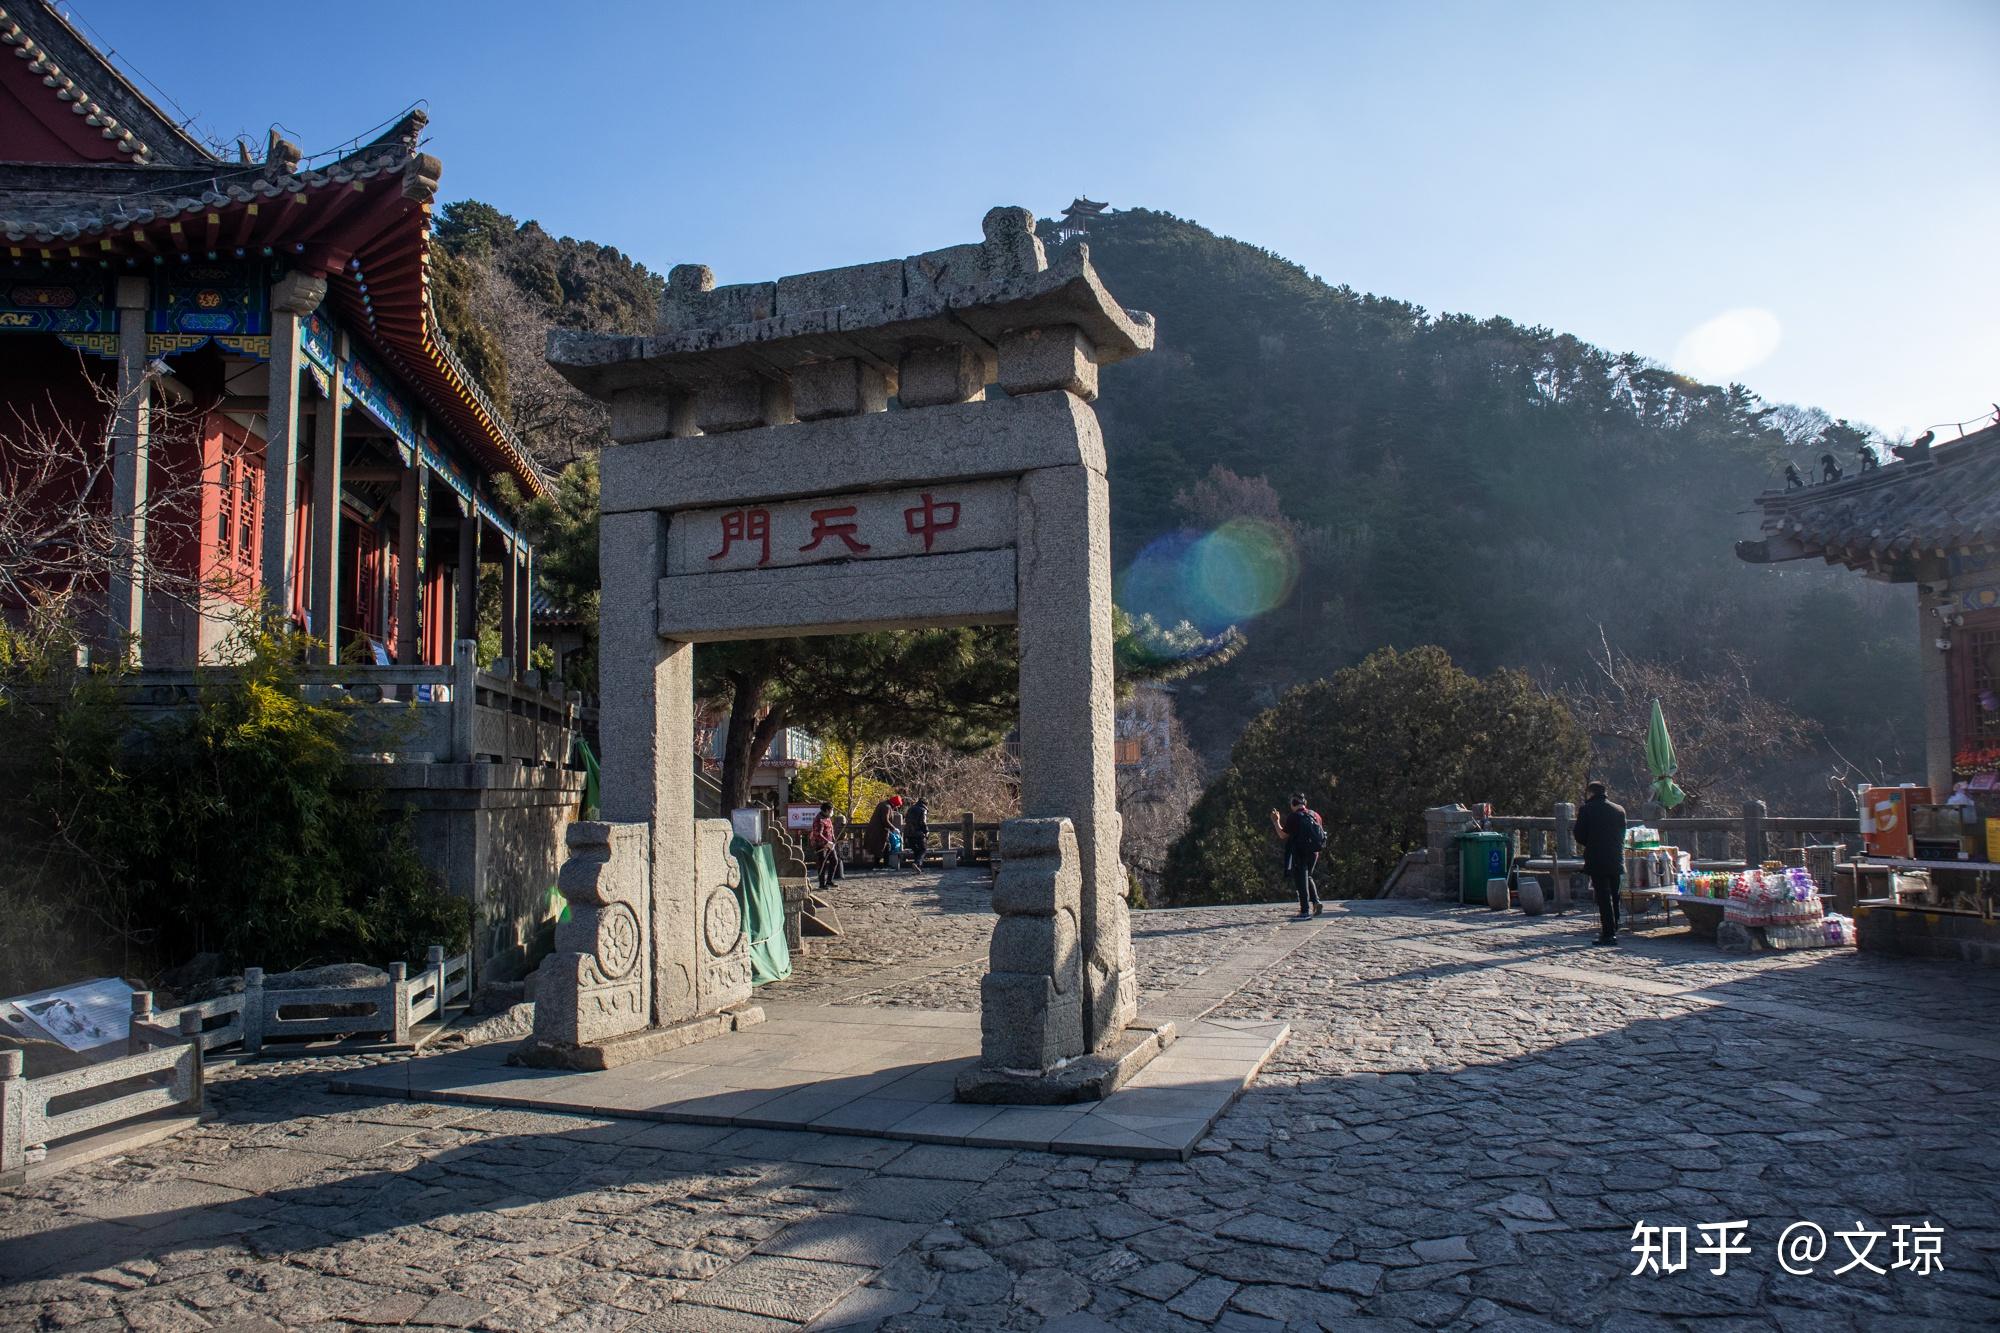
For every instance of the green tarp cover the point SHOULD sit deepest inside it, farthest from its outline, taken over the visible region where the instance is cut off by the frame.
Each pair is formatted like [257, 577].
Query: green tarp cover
[763, 911]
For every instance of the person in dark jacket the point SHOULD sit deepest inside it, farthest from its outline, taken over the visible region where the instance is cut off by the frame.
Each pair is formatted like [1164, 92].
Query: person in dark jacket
[1302, 835]
[1600, 831]
[824, 844]
[917, 832]
[875, 838]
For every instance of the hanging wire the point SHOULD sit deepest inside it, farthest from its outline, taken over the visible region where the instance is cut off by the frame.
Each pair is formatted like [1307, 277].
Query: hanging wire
[111, 52]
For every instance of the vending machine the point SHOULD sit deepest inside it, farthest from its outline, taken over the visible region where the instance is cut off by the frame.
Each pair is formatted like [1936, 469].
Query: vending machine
[1885, 818]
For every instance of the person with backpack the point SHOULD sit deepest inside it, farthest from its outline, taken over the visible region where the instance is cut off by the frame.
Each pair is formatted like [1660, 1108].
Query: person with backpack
[1302, 834]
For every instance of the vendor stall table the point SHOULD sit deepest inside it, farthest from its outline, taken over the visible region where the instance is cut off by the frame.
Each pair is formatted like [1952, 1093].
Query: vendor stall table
[1704, 915]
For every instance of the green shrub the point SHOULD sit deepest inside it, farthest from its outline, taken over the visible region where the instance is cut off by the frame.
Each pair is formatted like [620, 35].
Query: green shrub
[1372, 747]
[225, 827]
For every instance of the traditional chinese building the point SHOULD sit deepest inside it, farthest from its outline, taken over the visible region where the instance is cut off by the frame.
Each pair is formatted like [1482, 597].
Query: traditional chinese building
[279, 310]
[1931, 521]
[346, 468]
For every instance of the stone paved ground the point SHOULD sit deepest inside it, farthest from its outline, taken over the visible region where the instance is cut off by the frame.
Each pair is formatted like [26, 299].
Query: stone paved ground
[1471, 1115]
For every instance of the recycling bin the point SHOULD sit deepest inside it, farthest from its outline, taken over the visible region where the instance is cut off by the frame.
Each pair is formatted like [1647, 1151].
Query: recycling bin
[1481, 856]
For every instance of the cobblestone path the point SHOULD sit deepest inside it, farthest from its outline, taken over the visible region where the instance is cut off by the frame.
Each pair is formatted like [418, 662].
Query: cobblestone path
[1470, 1117]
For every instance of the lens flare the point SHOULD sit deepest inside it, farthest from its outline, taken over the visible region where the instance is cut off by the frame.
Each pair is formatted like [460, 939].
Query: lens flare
[1241, 570]
[1212, 580]
[1731, 343]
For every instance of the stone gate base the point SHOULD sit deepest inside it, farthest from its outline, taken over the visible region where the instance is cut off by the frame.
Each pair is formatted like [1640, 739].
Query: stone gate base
[888, 1071]
[1087, 1078]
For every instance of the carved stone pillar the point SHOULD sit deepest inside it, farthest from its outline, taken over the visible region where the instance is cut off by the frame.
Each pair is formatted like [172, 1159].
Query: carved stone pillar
[1031, 998]
[598, 983]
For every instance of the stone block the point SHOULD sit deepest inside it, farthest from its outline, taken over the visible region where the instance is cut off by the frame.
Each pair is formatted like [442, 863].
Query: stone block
[723, 944]
[1057, 357]
[641, 414]
[742, 404]
[597, 983]
[967, 442]
[875, 284]
[1087, 1078]
[1040, 874]
[1026, 1024]
[844, 387]
[693, 301]
[967, 588]
[1009, 252]
[1031, 1001]
[1043, 945]
[935, 376]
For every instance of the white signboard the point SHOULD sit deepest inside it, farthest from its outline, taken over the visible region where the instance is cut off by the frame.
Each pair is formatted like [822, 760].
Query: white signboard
[799, 818]
[82, 1017]
[873, 525]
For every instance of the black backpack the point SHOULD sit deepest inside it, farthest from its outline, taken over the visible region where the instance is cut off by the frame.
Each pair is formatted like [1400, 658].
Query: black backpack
[1315, 832]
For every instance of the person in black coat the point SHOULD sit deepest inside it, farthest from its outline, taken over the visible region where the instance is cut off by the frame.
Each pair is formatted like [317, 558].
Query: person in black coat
[917, 832]
[1600, 831]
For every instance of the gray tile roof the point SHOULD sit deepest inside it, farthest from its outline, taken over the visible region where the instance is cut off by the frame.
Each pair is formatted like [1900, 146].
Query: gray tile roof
[1947, 502]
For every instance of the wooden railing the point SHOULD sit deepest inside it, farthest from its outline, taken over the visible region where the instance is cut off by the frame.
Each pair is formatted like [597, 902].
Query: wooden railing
[445, 714]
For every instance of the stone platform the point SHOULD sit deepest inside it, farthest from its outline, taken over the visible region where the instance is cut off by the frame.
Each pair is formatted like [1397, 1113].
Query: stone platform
[882, 1070]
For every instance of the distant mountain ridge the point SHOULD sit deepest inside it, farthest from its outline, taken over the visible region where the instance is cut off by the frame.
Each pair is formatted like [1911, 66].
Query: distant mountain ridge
[1511, 493]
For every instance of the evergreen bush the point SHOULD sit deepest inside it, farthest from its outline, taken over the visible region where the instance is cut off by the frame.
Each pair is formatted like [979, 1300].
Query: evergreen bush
[225, 827]
[1372, 747]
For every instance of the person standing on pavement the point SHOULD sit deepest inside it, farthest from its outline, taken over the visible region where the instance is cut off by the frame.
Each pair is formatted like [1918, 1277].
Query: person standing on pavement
[825, 846]
[1303, 836]
[917, 831]
[1600, 831]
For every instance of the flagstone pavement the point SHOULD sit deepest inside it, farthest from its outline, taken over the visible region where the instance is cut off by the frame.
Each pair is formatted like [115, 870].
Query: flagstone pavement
[1471, 1115]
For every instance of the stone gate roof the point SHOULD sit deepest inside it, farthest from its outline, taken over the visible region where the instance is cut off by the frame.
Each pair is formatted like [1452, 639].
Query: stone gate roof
[964, 295]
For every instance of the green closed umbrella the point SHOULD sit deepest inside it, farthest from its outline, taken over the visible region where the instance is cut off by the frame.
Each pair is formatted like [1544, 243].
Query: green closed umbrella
[1660, 761]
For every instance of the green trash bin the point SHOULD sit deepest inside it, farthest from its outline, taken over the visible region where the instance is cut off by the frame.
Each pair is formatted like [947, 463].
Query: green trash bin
[1481, 856]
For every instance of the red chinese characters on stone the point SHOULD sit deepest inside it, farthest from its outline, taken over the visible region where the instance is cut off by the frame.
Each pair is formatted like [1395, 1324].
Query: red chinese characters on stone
[929, 517]
[746, 526]
[827, 523]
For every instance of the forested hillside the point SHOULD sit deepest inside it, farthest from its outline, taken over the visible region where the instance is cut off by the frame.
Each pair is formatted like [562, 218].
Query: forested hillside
[1505, 492]
[1382, 476]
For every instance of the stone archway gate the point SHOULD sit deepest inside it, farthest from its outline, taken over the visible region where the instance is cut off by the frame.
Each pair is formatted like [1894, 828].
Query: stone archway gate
[764, 484]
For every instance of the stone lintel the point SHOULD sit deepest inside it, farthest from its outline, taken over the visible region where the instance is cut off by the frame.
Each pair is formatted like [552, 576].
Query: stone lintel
[909, 592]
[958, 442]
[975, 316]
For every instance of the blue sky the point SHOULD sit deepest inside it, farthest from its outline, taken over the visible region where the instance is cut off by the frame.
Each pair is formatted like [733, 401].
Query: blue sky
[1815, 183]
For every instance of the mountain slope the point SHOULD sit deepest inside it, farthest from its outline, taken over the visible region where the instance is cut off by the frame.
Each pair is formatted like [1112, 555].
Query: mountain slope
[1502, 491]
